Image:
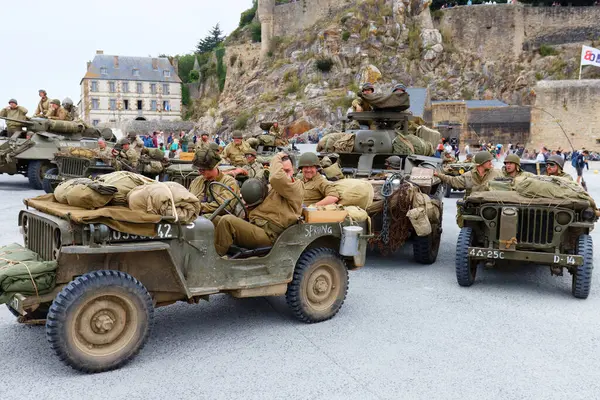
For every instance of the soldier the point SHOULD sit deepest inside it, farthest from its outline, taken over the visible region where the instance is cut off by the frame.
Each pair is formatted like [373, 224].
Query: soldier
[44, 104]
[512, 167]
[554, 167]
[56, 111]
[359, 104]
[469, 158]
[448, 158]
[393, 163]
[280, 209]
[234, 152]
[204, 143]
[317, 190]
[137, 144]
[399, 87]
[253, 169]
[206, 161]
[127, 155]
[15, 111]
[278, 133]
[103, 151]
[67, 104]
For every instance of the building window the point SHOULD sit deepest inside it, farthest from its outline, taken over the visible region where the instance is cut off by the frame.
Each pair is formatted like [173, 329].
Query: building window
[95, 104]
[125, 87]
[135, 72]
[94, 86]
[126, 104]
[166, 73]
[166, 105]
[153, 105]
[112, 104]
[153, 88]
[140, 105]
[111, 87]
[166, 88]
[103, 70]
[95, 122]
[138, 87]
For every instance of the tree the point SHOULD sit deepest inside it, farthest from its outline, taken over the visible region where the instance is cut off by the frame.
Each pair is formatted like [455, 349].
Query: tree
[210, 42]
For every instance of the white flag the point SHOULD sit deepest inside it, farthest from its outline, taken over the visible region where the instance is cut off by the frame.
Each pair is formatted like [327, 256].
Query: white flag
[590, 56]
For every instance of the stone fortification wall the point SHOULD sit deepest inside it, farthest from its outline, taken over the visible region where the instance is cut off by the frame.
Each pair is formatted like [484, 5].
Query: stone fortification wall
[296, 16]
[576, 105]
[503, 29]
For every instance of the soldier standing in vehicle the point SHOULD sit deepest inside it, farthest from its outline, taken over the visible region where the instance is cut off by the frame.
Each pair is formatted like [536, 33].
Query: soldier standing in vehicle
[253, 169]
[103, 151]
[206, 161]
[56, 111]
[280, 209]
[317, 189]
[14, 111]
[137, 144]
[360, 105]
[127, 155]
[276, 131]
[512, 167]
[67, 104]
[554, 167]
[44, 104]
[235, 151]
[204, 143]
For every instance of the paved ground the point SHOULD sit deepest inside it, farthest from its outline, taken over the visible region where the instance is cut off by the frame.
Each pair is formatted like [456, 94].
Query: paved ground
[405, 332]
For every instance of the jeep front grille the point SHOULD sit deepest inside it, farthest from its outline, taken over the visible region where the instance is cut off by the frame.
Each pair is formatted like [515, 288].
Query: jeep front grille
[535, 226]
[41, 237]
[74, 166]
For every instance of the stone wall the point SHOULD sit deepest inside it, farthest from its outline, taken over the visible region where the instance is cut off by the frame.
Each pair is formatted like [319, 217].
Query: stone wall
[296, 16]
[503, 29]
[575, 104]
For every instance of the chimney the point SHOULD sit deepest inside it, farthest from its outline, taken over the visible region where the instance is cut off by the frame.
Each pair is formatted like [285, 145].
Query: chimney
[89, 64]
[116, 61]
[155, 64]
[99, 51]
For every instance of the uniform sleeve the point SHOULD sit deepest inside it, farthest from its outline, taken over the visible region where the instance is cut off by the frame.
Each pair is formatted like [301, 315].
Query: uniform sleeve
[3, 112]
[457, 182]
[282, 183]
[38, 109]
[23, 110]
[328, 189]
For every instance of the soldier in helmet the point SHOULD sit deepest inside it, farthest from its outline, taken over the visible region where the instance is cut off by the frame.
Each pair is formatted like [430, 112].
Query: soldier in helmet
[204, 142]
[469, 158]
[14, 111]
[276, 131]
[126, 154]
[235, 151]
[254, 192]
[103, 151]
[44, 104]
[448, 158]
[67, 104]
[56, 111]
[253, 169]
[512, 167]
[317, 190]
[137, 144]
[393, 163]
[359, 104]
[554, 167]
[206, 161]
[281, 208]
[399, 88]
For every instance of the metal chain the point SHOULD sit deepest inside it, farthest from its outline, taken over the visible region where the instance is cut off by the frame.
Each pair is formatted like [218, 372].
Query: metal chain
[386, 191]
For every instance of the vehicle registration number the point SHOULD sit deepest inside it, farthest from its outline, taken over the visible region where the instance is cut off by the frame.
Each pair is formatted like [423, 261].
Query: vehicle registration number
[163, 231]
[493, 254]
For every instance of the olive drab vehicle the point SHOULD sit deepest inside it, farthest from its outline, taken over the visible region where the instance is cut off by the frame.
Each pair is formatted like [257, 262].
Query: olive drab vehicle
[30, 152]
[501, 227]
[367, 161]
[455, 169]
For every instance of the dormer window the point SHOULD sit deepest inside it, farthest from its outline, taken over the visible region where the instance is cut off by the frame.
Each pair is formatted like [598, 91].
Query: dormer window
[135, 72]
[166, 73]
[103, 71]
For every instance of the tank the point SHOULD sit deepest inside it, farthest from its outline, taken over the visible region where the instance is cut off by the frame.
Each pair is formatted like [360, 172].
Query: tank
[31, 151]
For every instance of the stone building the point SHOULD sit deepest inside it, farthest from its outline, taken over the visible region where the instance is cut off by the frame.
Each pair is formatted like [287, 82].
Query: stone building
[120, 88]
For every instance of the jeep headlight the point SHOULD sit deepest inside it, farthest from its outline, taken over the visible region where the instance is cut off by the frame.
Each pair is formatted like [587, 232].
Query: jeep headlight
[489, 213]
[563, 217]
[588, 215]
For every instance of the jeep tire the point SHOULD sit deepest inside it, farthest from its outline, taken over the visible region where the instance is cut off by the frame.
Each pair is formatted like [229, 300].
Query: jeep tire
[319, 285]
[466, 269]
[36, 170]
[99, 321]
[426, 248]
[47, 184]
[582, 274]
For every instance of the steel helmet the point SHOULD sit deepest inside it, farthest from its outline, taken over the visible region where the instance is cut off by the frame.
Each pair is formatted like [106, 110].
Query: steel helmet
[482, 157]
[67, 102]
[556, 160]
[393, 162]
[237, 135]
[13, 101]
[367, 86]
[254, 192]
[55, 101]
[206, 159]
[399, 86]
[308, 160]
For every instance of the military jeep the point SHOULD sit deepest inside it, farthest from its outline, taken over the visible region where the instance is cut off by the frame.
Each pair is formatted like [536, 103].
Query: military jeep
[502, 227]
[110, 278]
[455, 169]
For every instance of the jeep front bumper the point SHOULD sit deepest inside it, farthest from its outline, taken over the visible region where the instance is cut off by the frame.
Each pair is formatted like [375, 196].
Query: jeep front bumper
[564, 260]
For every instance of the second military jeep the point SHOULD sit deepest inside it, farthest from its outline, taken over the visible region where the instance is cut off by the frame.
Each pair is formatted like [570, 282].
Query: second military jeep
[111, 275]
[455, 169]
[502, 227]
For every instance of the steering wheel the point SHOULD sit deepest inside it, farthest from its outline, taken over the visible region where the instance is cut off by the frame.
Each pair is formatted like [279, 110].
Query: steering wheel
[224, 203]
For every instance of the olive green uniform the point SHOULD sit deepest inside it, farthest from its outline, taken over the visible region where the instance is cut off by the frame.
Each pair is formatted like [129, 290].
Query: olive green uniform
[42, 108]
[236, 154]
[104, 153]
[317, 188]
[201, 145]
[519, 174]
[59, 114]
[362, 103]
[73, 113]
[130, 156]
[255, 170]
[137, 144]
[278, 133]
[18, 113]
[563, 174]
[281, 208]
[199, 188]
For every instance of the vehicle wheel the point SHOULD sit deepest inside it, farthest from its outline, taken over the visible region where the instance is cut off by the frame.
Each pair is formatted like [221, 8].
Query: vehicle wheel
[425, 248]
[100, 321]
[448, 191]
[319, 286]
[582, 275]
[466, 269]
[47, 184]
[35, 173]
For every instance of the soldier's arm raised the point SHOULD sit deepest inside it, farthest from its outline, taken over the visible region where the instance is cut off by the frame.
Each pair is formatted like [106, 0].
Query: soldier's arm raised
[457, 182]
[280, 181]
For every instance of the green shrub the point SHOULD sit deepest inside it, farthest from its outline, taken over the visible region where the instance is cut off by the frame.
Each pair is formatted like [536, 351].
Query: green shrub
[185, 95]
[546, 50]
[324, 64]
[345, 36]
[414, 41]
[194, 76]
[293, 86]
[241, 122]
[256, 32]
[221, 68]
[248, 16]
[466, 94]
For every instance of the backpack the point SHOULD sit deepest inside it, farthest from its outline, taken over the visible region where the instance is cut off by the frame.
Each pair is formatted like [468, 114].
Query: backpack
[574, 158]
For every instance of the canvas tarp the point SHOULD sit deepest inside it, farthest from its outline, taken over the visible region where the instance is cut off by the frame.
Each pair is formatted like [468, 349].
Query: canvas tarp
[354, 192]
[124, 181]
[391, 101]
[118, 218]
[512, 197]
[167, 199]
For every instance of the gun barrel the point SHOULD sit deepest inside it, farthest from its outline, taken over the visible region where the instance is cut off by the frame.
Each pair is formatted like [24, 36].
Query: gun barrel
[26, 123]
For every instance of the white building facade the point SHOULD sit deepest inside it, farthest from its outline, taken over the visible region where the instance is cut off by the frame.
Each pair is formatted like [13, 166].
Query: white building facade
[116, 89]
